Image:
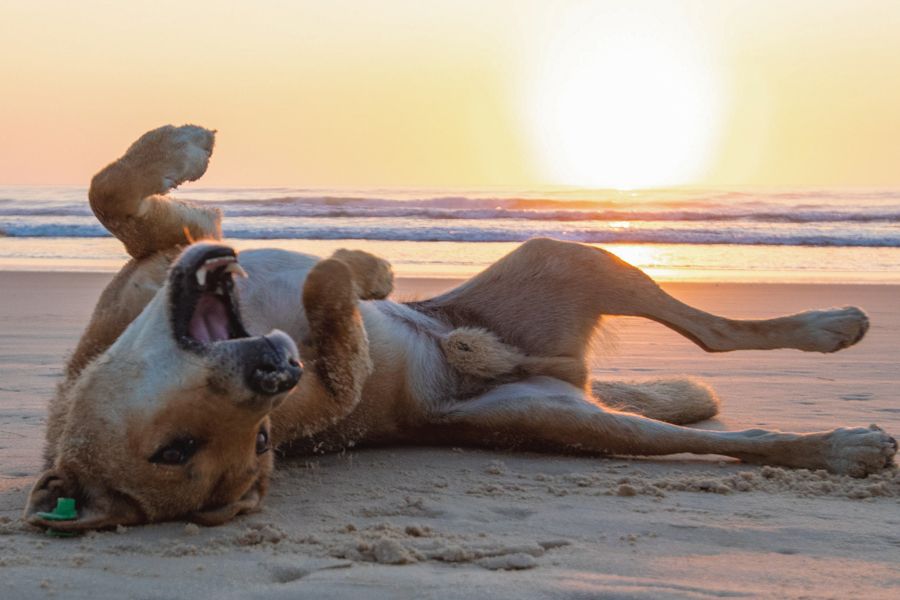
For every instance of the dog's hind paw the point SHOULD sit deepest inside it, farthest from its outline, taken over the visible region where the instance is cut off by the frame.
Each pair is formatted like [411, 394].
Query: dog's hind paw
[832, 330]
[859, 451]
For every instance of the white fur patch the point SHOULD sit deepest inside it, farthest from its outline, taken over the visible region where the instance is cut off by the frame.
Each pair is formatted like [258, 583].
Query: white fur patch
[399, 333]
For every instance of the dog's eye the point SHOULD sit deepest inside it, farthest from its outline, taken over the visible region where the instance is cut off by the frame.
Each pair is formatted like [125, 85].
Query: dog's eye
[262, 441]
[177, 452]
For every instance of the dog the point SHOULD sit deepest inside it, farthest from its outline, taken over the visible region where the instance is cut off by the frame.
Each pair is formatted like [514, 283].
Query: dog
[189, 373]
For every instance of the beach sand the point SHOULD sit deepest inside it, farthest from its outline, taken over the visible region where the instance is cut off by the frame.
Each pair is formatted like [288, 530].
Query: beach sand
[464, 523]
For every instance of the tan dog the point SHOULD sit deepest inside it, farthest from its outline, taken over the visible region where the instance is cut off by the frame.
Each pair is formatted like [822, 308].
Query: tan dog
[188, 373]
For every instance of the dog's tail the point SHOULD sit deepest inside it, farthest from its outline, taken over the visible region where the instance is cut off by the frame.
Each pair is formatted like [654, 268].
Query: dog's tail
[678, 401]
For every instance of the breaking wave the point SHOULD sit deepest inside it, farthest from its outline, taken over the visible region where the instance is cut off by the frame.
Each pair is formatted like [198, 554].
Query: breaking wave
[792, 218]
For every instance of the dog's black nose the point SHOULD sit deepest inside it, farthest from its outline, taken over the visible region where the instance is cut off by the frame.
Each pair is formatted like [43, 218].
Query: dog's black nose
[273, 371]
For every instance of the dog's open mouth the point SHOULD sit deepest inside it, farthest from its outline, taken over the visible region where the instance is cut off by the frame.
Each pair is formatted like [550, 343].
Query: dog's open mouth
[204, 303]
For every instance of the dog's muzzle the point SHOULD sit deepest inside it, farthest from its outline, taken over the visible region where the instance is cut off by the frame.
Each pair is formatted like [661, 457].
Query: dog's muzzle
[271, 366]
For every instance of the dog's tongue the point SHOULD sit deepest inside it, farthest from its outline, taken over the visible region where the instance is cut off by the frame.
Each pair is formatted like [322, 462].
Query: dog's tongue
[209, 322]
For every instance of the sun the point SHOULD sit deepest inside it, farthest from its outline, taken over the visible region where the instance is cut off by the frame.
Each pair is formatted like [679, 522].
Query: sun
[617, 98]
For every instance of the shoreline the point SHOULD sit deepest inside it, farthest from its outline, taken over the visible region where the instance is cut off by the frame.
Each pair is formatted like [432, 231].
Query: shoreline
[455, 279]
[663, 262]
[414, 287]
[436, 283]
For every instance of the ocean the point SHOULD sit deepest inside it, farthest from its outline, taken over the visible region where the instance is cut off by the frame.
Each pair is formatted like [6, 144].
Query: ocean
[799, 234]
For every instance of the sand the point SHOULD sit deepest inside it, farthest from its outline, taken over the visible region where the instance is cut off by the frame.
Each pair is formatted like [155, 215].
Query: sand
[463, 523]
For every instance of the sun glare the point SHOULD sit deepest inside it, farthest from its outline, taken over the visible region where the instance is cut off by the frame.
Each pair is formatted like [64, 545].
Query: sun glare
[624, 100]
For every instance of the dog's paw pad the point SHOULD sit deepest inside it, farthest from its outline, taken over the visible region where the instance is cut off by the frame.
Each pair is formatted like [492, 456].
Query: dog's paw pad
[859, 451]
[173, 154]
[833, 330]
[188, 151]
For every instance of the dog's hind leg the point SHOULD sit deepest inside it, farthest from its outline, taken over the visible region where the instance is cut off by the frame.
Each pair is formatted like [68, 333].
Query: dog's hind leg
[128, 195]
[547, 296]
[544, 414]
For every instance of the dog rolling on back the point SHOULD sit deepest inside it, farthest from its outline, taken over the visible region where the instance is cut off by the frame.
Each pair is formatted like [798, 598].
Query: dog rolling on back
[189, 372]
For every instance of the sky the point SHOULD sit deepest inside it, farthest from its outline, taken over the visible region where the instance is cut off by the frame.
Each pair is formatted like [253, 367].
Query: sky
[521, 93]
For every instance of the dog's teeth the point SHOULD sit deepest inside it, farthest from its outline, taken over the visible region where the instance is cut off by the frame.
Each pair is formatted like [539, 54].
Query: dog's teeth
[219, 260]
[237, 269]
[201, 276]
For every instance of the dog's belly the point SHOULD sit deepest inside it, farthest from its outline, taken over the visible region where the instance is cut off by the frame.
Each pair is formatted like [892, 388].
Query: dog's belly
[410, 376]
[409, 381]
[270, 297]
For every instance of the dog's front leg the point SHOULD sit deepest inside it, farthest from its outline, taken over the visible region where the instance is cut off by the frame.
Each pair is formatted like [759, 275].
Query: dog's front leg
[130, 195]
[336, 352]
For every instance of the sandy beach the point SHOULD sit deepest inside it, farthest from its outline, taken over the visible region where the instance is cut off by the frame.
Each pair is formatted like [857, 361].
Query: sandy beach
[464, 523]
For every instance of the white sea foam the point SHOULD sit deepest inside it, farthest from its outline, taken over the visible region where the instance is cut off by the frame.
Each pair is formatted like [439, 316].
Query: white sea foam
[859, 218]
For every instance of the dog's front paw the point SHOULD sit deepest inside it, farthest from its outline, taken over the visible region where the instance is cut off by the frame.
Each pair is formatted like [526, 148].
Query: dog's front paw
[858, 451]
[832, 330]
[173, 154]
[372, 276]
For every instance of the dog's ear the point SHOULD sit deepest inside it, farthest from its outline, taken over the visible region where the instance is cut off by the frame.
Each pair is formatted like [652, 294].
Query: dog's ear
[249, 502]
[97, 509]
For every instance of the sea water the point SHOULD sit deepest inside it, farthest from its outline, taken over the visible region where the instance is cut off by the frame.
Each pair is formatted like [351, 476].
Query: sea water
[800, 234]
